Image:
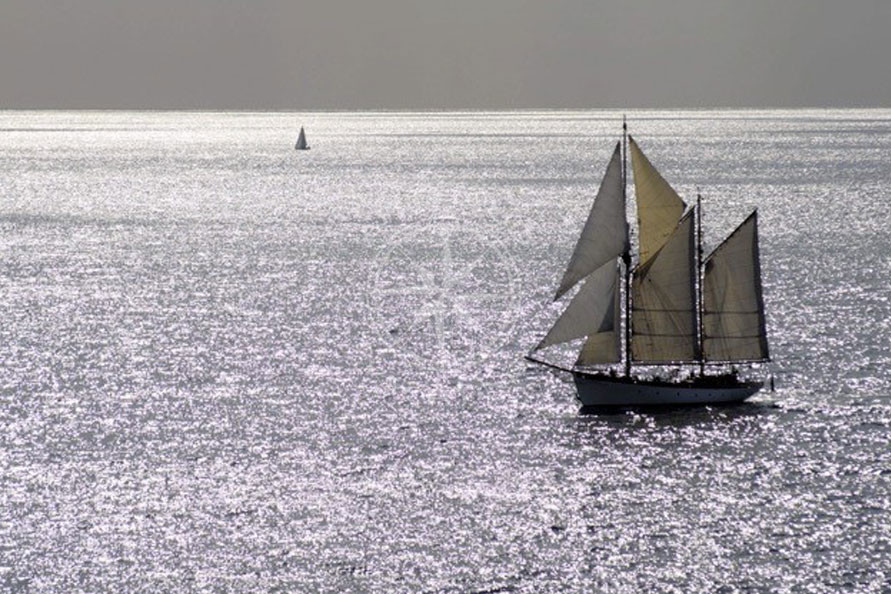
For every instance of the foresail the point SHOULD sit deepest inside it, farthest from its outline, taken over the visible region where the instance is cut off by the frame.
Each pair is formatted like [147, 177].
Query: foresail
[658, 206]
[663, 313]
[599, 349]
[604, 346]
[733, 308]
[605, 234]
[591, 312]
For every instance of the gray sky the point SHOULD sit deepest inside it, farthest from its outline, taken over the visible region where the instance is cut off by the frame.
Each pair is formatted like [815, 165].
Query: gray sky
[343, 54]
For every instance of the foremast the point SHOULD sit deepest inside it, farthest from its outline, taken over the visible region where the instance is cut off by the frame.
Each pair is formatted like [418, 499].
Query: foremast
[626, 256]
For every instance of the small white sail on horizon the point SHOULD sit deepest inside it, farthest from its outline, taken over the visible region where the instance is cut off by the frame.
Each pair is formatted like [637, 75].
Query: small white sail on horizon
[301, 141]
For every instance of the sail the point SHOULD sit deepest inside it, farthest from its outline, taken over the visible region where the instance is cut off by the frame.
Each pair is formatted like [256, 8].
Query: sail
[591, 312]
[658, 206]
[605, 234]
[733, 309]
[605, 346]
[301, 140]
[663, 313]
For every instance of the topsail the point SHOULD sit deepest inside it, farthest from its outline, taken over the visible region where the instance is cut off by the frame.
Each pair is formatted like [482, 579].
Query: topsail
[659, 208]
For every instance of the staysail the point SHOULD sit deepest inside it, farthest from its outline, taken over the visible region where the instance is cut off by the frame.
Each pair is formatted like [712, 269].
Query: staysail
[605, 234]
[733, 309]
[663, 315]
[604, 346]
[592, 313]
[658, 206]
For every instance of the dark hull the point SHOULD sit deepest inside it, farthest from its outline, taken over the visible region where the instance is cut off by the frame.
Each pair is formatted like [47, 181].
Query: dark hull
[603, 390]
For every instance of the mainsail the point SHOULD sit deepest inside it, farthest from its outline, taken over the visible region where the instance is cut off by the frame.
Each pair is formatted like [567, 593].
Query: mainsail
[605, 234]
[663, 316]
[658, 206]
[733, 309]
[592, 313]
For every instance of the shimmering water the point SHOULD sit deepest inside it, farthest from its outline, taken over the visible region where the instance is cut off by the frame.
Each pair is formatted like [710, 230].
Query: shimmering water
[228, 366]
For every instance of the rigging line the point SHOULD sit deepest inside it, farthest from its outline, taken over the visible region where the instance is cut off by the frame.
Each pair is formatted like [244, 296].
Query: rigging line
[546, 364]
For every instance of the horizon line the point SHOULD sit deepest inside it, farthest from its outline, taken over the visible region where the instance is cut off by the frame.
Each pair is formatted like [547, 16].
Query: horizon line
[439, 109]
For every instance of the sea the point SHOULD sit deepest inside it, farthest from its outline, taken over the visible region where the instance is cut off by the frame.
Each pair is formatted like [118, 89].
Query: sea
[229, 366]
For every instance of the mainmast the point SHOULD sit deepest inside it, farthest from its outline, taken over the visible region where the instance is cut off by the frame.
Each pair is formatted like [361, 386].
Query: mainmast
[699, 280]
[626, 257]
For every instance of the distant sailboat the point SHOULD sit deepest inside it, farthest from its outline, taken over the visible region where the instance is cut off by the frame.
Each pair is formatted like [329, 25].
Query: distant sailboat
[679, 312]
[301, 141]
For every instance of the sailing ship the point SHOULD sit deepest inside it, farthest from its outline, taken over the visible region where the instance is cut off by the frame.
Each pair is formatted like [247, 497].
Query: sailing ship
[301, 141]
[669, 326]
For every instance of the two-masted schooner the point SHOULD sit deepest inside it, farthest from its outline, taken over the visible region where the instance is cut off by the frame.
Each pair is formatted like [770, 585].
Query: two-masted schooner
[672, 312]
[301, 141]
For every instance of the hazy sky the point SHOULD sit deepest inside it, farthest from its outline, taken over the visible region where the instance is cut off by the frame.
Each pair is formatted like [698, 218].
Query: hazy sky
[341, 54]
